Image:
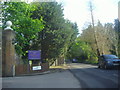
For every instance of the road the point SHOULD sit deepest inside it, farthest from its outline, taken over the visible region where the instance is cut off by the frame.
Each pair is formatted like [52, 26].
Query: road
[63, 79]
[80, 76]
[90, 76]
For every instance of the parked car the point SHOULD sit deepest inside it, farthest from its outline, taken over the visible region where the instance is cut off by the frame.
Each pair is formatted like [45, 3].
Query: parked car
[74, 60]
[108, 61]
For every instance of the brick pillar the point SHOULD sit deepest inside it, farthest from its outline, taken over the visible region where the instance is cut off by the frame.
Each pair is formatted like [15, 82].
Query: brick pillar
[8, 53]
[0, 52]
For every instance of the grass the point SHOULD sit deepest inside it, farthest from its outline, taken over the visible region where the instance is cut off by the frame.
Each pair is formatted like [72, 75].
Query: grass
[59, 67]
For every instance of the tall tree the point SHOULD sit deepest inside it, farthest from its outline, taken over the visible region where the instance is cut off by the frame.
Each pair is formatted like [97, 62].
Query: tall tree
[92, 18]
[112, 38]
[25, 27]
[57, 31]
[117, 29]
[106, 38]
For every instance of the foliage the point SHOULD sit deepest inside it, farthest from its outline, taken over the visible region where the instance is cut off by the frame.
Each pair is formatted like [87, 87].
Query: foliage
[84, 49]
[117, 29]
[81, 51]
[57, 31]
[41, 26]
[25, 27]
[106, 38]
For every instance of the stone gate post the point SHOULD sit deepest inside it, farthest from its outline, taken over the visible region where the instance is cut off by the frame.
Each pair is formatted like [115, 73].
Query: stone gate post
[8, 51]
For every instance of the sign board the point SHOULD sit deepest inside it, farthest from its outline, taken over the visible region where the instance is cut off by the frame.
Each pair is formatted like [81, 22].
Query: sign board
[36, 68]
[33, 54]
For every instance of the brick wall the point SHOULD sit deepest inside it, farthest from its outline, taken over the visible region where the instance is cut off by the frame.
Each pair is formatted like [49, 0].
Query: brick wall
[27, 69]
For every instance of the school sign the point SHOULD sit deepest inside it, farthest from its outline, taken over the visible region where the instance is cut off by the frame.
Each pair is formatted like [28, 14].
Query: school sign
[34, 54]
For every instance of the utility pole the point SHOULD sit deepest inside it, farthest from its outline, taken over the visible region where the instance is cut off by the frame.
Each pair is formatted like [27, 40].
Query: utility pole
[92, 17]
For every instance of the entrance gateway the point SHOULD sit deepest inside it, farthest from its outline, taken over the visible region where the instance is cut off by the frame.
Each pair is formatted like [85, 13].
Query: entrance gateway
[10, 66]
[8, 51]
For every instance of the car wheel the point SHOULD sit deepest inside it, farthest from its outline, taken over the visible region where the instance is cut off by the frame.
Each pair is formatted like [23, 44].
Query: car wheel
[99, 66]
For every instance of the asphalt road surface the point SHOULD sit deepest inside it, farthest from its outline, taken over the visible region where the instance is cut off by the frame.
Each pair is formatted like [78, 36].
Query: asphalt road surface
[82, 76]
[63, 79]
[90, 76]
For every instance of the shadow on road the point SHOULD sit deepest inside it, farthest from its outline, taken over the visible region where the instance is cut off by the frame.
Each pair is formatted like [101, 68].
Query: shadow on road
[93, 77]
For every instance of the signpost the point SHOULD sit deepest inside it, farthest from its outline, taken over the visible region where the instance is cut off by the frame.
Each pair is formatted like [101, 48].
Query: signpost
[34, 55]
[36, 68]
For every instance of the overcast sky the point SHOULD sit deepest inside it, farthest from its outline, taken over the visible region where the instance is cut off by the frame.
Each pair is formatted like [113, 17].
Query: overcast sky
[78, 11]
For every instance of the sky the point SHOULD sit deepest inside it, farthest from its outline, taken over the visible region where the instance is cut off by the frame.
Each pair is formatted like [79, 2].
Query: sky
[106, 11]
[78, 11]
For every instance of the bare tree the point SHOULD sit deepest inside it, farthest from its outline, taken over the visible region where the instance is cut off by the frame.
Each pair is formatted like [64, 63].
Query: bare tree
[92, 18]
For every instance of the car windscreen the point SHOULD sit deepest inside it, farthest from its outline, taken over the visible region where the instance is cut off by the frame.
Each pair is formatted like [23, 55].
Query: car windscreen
[110, 56]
